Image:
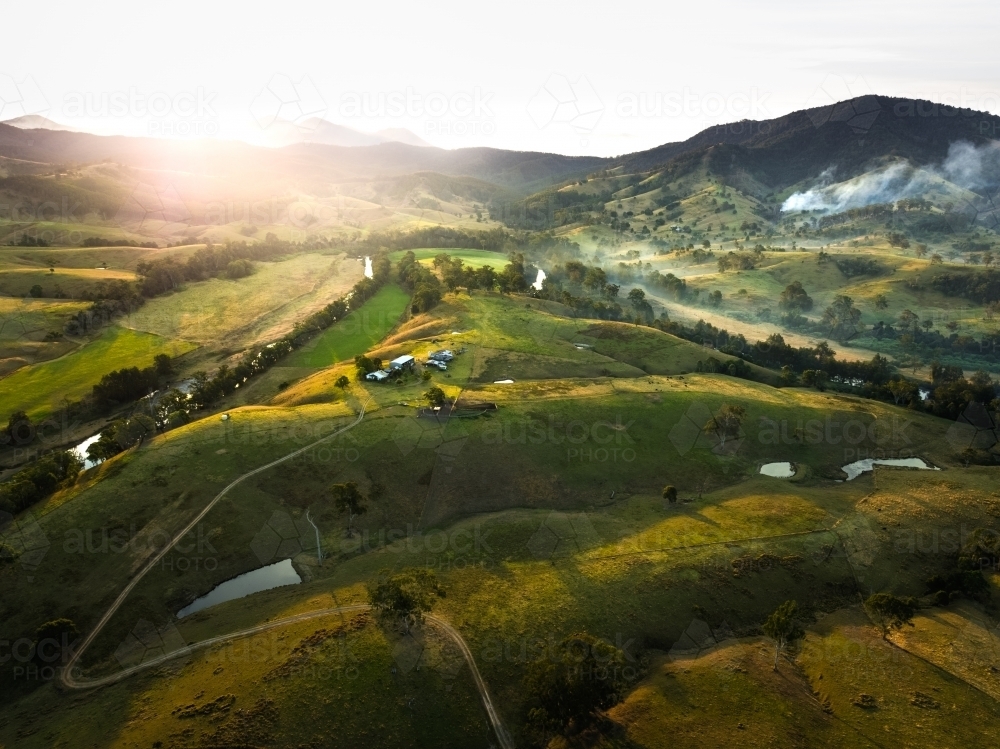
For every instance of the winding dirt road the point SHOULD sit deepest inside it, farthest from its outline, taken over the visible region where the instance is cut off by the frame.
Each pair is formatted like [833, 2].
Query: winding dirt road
[70, 680]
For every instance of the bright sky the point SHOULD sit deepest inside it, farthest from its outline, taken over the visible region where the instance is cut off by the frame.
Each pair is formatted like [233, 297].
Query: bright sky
[576, 78]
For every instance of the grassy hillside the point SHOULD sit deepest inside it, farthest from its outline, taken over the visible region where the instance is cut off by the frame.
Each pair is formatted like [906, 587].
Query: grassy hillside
[539, 499]
[25, 325]
[260, 307]
[542, 518]
[356, 333]
[42, 388]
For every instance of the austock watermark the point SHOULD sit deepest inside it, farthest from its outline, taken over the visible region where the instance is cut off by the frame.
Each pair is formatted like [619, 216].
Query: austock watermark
[192, 551]
[548, 647]
[859, 439]
[598, 441]
[713, 106]
[949, 541]
[41, 659]
[461, 113]
[176, 114]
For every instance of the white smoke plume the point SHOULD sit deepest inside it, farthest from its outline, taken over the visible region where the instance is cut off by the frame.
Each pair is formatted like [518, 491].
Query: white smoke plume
[969, 166]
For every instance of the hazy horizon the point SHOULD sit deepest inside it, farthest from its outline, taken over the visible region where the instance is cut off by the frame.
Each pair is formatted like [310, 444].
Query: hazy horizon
[586, 82]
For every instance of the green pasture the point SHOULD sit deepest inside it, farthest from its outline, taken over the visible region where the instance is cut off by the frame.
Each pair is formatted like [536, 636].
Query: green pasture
[360, 329]
[471, 258]
[42, 388]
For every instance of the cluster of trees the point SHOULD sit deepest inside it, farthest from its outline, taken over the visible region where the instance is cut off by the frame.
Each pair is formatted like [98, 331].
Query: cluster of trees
[733, 368]
[364, 365]
[981, 287]
[109, 299]
[102, 242]
[671, 284]
[920, 336]
[689, 255]
[981, 551]
[422, 283]
[859, 266]
[571, 686]
[496, 239]
[896, 239]
[232, 260]
[206, 389]
[38, 480]
[515, 277]
[953, 392]
[120, 435]
[841, 320]
[741, 260]
[574, 275]
[131, 383]
[26, 241]
[405, 597]
[775, 353]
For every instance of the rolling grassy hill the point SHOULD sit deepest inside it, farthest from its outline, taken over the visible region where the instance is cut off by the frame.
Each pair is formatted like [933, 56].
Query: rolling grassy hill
[539, 504]
[261, 307]
[40, 389]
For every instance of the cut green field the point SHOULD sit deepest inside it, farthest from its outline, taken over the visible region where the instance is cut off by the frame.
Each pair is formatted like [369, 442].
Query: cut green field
[356, 333]
[42, 388]
[26, 328]
[260, 307]
[471, 258]
[71, 282]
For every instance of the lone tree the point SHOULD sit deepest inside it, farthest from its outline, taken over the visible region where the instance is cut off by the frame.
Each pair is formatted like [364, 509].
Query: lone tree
[782, 628]
[405, 597]
[795, 299]
[727, 421]
[20, 430]
[342, 382]
[8, 554]
[841, 319]
[347, 498]
[890, 612]
[435, 396]
[670, 493]
[54, 640]
[567, 690]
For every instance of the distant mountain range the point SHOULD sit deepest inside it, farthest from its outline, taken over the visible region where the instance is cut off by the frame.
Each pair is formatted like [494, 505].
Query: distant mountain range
[845, 139]
[37, 122]
[318, 130]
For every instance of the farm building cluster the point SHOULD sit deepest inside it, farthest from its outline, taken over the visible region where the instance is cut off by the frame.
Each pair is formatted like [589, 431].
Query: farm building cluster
[407, 363]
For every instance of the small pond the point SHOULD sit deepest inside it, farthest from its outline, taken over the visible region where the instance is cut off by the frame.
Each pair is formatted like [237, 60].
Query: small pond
[855, 469]
[273, 576]
[782, 470]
